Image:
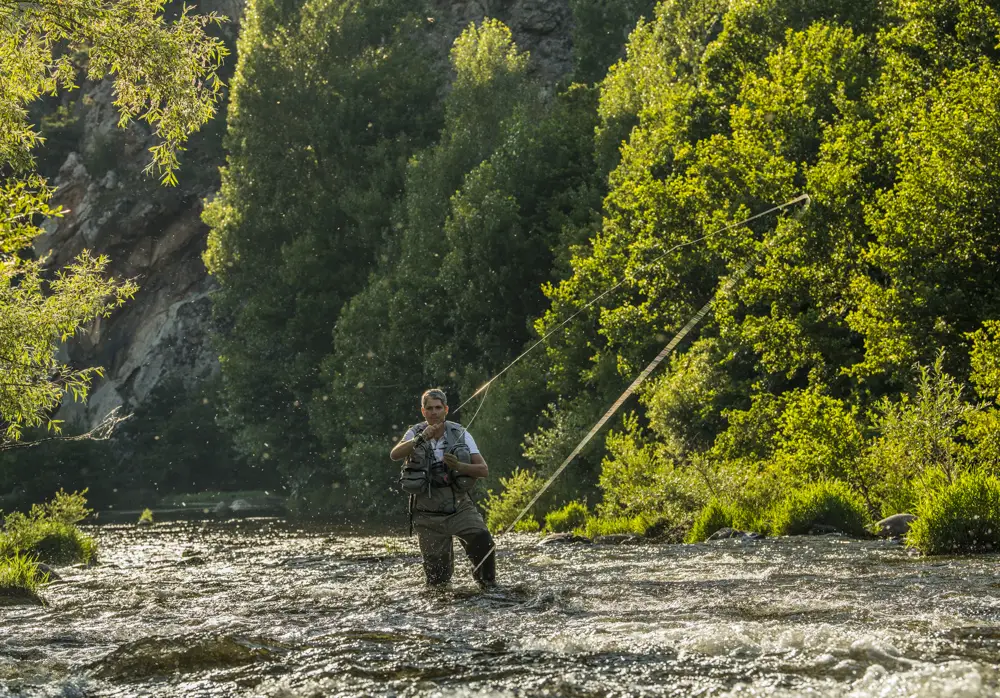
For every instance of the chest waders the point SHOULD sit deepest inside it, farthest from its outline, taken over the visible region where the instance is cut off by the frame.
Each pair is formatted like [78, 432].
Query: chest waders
[439, 499]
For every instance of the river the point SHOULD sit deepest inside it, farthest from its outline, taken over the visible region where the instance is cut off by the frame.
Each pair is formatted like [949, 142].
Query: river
[268, 608]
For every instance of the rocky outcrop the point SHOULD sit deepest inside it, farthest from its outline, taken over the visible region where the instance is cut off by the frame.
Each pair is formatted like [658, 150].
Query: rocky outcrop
[155, 236]
[542, 27]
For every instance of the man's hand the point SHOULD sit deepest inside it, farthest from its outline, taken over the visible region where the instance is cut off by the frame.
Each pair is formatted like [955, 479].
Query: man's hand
[433, 431]
[477, 468]
[452, 461]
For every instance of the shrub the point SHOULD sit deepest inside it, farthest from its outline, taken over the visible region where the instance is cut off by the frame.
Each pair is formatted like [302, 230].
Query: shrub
[146, 517]
[571, 516]
[20, 578]
[527, 524]
[963, 517]
[712, 517]
[917, 449]
[518, 490]
[49, 531]
[828, 502]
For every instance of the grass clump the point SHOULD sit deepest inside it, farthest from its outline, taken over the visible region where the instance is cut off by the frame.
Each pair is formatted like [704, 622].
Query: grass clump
[713, 516]
[827, 503]
[963, 517]
[615, 525]
[19, 580]
[49, 531]
[527, 524]
[572, 516]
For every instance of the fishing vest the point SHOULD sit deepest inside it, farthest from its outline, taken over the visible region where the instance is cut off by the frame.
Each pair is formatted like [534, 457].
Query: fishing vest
[432, 486]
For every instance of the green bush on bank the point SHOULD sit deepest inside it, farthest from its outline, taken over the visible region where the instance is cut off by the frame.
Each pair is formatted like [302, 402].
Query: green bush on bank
[527, 524]
[827, 503]
[963, 517]
[49, 531]
[572, 516]
[502, 509]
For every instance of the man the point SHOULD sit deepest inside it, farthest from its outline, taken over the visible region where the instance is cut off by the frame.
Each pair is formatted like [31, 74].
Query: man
[442, 465]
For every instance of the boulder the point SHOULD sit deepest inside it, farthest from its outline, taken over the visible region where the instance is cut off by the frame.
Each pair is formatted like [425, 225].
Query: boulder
[564, 538]
[45, 569]
[17, 596]
[895, 526]
[726, 533]
[617, 539]
[824, 530]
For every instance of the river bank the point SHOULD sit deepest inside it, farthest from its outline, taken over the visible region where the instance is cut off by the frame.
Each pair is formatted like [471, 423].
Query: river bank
[263, 607]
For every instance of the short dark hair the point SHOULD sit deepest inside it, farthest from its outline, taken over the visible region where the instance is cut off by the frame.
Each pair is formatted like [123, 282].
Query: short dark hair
[433, 394]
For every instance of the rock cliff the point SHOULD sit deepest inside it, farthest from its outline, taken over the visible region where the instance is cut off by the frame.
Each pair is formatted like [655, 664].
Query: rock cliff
[155, 235]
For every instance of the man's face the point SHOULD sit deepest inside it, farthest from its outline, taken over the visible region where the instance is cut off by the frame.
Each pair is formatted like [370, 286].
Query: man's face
[434, 410]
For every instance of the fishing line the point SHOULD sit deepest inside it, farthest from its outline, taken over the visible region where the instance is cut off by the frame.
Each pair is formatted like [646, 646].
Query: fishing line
[664, 353]
[642, 268]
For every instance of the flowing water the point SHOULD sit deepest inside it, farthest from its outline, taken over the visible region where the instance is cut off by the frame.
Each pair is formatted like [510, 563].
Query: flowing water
[266, 608]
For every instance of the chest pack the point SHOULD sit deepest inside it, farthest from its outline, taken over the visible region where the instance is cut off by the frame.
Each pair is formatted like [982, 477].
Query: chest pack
[429, 480]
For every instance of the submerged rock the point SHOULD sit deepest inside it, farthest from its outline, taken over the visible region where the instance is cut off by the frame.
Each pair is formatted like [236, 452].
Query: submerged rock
[895, 525]
[560, 538]
[618, 539]
[726, 533]
[44, 569]
[154, 656]
[824, 530]
[19, 596]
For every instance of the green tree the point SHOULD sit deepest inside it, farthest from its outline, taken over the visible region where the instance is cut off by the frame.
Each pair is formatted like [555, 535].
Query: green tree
[164, 74]
[482, 212]
[884, 114]
[330, 100]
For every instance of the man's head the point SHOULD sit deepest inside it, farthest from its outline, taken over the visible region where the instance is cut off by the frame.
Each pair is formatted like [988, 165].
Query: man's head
[434, 406]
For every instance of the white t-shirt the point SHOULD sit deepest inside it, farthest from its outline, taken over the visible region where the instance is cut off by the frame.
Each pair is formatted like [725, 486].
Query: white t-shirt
[438, 444]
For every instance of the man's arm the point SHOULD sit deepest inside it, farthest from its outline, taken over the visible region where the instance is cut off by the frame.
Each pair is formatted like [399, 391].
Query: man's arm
[477, 468]
[404, 448]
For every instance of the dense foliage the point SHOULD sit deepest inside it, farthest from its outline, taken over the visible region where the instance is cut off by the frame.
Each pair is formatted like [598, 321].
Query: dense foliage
[415, 226]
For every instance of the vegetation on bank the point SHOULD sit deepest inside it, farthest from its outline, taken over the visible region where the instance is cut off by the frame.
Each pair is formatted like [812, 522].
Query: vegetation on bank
[48, 533]
[963, 517]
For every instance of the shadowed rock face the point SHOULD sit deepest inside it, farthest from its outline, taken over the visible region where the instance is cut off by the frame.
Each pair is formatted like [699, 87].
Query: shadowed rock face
[154, 234]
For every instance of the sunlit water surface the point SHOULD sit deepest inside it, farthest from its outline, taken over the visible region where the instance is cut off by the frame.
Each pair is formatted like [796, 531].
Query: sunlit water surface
[268, 608]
